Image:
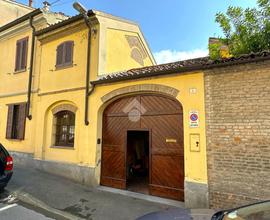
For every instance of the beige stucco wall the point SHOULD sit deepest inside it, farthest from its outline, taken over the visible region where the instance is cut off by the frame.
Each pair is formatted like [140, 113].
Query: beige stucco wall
[53, 79]
[13, 86]
[119, 52]
[13, 82]
[115, 51]
[11, 10]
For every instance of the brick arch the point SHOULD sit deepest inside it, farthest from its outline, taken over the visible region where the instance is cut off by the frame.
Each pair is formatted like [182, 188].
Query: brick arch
[64, 107]
[166, 90]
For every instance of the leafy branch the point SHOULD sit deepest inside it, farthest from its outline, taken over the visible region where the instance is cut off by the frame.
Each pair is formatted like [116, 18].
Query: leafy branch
[245, 30]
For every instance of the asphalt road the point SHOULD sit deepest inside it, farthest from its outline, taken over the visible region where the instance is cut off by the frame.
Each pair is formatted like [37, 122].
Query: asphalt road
[17, 212]
[12, 208]
[74, 201]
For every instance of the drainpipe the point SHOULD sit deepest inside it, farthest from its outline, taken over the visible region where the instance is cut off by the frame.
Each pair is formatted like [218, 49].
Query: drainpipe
[87, 83]
[28, 115]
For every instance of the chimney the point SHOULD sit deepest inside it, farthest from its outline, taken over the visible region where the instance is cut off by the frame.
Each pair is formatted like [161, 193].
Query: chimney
[46, 6]
[30, 3]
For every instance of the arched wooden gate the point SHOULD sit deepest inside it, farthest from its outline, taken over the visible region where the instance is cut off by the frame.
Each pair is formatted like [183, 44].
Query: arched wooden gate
[163, 117]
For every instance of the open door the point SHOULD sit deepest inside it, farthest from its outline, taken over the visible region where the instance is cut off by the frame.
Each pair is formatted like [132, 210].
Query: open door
[164, 118]
[137, 161]
[161, 123]
[166, 158]
[113, 161]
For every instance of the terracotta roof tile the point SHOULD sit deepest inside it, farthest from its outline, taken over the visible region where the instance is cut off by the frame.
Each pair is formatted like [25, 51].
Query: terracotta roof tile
[58, 24]
[181, 66]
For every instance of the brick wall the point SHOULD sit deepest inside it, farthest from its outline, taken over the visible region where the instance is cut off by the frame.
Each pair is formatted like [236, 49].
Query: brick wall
[238, 134]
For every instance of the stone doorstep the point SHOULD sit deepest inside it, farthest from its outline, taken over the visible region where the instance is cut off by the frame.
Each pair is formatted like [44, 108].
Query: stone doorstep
[199, 213]
[143, 196]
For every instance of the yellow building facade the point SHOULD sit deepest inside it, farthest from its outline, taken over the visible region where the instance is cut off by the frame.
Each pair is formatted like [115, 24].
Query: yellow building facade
[60, 89]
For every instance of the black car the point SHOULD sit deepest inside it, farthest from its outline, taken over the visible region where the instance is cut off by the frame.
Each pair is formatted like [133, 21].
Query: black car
[179, 214]
[257, 211]
[6, 167]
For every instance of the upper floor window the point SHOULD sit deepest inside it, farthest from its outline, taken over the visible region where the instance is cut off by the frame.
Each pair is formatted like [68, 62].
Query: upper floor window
[65, 128]
[16, 121]
[64, 55]
[21, 54]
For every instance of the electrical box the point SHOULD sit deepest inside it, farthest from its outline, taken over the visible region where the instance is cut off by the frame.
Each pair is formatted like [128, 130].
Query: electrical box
[195, 142]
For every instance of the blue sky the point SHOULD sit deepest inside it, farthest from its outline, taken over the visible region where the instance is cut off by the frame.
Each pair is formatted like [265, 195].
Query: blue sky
[174, 29]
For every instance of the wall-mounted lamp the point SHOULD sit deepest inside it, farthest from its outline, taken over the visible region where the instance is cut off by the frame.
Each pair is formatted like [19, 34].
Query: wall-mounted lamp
[80, 8]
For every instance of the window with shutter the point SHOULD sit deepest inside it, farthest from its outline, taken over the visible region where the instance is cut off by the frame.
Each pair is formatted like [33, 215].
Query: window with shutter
[21, 121]
[16, 121]
[65, 128]
[59, 59]
[21, 54]
[18, 56]
[9, 122]
[24, 54]
[64, 53]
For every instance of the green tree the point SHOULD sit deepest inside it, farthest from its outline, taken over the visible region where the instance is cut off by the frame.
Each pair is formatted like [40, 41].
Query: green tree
[246, 30]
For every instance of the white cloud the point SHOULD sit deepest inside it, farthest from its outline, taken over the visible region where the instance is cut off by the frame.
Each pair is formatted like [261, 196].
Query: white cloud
[167, 56]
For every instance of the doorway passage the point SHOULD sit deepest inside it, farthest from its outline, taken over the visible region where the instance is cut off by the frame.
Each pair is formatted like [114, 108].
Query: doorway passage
[162, 127]
[137, 161]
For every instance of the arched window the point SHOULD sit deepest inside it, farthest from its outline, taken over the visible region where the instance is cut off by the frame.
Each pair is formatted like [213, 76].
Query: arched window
[64, 55]
[65, 128]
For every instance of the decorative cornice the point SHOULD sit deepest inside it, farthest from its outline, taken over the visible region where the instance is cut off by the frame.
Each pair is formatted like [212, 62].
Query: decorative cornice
[20, 20]
[19, 4]
[22, 27]
[60, 91]
[16, 94]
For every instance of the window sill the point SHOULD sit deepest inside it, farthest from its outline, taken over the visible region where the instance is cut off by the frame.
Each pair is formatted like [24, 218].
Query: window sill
[63, 147]
[64, 66]
[19, 71]
[14, 139]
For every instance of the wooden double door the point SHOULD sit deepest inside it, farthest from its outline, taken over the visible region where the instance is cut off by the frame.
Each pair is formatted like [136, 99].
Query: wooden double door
[163, 118]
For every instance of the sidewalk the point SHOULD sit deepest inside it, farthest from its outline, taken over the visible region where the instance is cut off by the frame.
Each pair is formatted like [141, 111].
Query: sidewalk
[79, 200]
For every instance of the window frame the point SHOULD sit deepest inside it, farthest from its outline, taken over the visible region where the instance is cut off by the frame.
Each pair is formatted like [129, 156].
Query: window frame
[15, 129]
[15, 122]
[64, 63]
[58, 132]
[19, 57]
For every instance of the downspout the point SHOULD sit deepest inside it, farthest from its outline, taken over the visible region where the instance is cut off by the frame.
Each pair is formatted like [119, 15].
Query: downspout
[28, 115]
[87, 83]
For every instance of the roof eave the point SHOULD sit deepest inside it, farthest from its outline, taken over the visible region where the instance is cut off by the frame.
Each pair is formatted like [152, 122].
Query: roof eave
[20, 19]
[63, 23]
[178, 70]
[59, 25]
